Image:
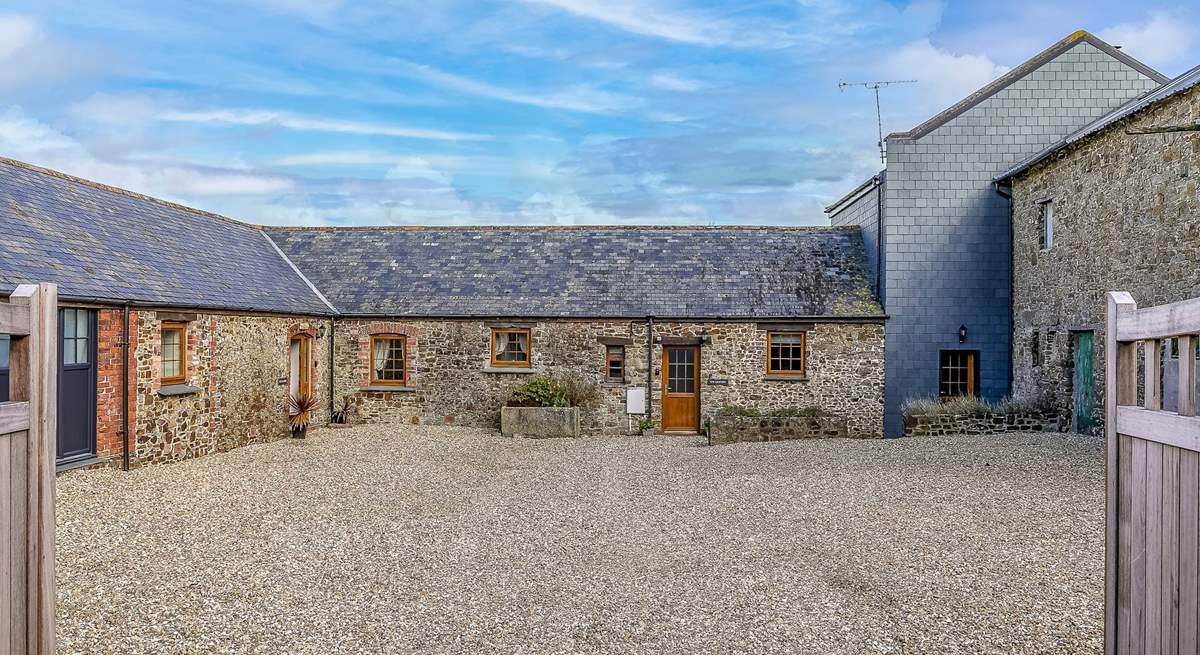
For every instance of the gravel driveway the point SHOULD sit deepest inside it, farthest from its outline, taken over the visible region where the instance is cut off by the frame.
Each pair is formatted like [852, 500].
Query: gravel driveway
[395, 539]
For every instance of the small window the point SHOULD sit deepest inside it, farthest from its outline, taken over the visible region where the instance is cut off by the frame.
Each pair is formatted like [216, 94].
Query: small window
[1035, 349]
[958, 374]
[174, 353]
[77, 330]
[614, 363]
[388, 364]
[510, 347]
[1046, 213]
[785, 353]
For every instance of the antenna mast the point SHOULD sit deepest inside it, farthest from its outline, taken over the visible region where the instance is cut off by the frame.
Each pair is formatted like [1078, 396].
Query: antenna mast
[876, 86]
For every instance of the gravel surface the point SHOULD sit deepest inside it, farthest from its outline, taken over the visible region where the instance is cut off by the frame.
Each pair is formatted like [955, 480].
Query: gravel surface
[391, 539]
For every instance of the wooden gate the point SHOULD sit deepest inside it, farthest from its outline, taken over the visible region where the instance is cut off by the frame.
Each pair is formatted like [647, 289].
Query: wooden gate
[27, 423]
[1153, 482]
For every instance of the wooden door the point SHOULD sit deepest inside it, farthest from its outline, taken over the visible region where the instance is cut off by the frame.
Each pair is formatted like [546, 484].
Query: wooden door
[76, 439]
[681, 388]
[1083, 385]
[300, 375]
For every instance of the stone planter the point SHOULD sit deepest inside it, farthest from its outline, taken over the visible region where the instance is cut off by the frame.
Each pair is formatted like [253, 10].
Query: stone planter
[927, 425]
[734, 429]
[539, 422]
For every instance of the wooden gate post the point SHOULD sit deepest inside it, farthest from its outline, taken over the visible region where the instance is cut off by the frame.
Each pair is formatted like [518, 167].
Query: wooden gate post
[1120, 386]
[27, 451]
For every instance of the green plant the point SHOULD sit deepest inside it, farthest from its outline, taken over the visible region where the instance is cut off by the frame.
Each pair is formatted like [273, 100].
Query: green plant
[646, 424]
[738, 410]
[300, 409]
[973, 406]
[542, 391]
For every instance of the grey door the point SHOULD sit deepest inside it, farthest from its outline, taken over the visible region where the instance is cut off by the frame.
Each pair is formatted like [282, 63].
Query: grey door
[76, 384]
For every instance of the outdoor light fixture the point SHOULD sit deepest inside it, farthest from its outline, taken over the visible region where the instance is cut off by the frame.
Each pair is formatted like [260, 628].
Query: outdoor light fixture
[321, 332]
[962, 334]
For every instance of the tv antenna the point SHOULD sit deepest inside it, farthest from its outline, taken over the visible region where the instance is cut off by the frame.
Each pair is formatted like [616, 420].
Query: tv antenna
[876, 86]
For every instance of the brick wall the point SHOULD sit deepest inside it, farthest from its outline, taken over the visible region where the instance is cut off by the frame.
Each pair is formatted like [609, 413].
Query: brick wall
[449, 380]
[109, 329]
[1126, 217]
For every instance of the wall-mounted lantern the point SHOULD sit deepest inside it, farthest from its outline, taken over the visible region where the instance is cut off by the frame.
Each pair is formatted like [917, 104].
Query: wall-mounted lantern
[962, 334]
[321, 332]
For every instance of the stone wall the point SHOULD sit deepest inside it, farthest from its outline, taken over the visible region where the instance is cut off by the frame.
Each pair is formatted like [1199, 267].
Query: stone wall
[1126, 217]
[237, 384]
[734, 429]
[926, 425]
[450, 380]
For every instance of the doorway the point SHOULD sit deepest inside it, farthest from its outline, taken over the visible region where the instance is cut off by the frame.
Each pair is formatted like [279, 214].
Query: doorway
[681, 388]
[76, 438]
[300, 368]
[1083, 384]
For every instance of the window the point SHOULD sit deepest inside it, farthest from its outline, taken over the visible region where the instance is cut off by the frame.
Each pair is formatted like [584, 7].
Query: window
[388, 360]
[785, 353]
[1046, 214]
[174, 352]
[1035, 349]
[4, 350]
[958, 373]
[614, 363]
[77, 329]
[510, 347]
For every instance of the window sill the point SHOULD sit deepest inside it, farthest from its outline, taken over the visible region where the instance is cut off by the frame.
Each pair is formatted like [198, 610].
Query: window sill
[178, 390]
[508, 369]
[614, 383]
[396, 388]
[785, 378]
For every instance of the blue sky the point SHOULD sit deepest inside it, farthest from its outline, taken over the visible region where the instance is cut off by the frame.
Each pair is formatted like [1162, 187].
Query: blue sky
[524, 111]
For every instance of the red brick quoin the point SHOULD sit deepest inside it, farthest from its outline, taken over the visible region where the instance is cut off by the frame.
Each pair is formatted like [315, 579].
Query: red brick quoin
[414, 334]
[109, 324]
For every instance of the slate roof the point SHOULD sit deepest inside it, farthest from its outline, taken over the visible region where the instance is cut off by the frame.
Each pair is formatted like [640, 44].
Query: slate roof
[106, 244]
[1176, 86]
[592, 272]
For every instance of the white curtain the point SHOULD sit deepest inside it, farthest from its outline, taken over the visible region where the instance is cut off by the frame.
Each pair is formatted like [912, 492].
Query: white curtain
[380, 356]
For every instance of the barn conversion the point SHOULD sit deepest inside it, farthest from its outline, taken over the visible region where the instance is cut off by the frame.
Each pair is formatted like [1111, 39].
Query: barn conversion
[184, 333]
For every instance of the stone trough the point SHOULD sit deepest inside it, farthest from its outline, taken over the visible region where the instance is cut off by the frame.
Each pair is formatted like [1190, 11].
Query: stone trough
[539, 422]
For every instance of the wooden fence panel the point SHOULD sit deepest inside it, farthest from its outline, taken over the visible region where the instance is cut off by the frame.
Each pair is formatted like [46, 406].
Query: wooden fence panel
[1152, 524]
[27, 433]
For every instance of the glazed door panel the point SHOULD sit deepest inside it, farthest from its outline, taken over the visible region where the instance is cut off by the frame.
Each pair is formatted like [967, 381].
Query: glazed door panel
[76, 384]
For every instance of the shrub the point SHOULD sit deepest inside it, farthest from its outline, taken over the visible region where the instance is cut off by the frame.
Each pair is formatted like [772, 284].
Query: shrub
[973, 406]
[580, 392]
[540, 392]
[738, 410]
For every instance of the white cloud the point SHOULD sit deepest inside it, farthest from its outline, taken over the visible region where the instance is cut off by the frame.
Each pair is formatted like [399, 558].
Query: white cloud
[115, 109]
[647, 20]
[578, 97]
[16, 33]
[363, 158]
[1160, 41]
[672, 82]
[267, 117]
[943, 77]
[28, 139]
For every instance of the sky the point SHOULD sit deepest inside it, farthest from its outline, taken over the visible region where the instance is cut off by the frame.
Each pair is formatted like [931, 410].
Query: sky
[333, 112]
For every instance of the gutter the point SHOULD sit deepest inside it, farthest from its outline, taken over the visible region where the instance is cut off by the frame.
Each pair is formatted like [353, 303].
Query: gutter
[649, 367]
[1005, 190]
[852, 318]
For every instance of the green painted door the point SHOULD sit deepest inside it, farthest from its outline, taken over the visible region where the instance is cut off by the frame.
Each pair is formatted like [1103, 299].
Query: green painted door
[1083, 384]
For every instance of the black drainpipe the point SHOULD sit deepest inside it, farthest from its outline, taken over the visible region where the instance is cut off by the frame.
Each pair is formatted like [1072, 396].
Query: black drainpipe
[331, 345]
[649, 366]
[125, 388]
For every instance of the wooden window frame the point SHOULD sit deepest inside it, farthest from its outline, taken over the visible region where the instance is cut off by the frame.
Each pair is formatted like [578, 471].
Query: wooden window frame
[374, 381]
[609, 358]
[771, 334]
[972, 378]
[183, 352]
[527, 363]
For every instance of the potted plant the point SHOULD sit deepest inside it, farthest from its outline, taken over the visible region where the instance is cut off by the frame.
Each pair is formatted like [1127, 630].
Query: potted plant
[341, 415]
[300, 409]
[646, 425]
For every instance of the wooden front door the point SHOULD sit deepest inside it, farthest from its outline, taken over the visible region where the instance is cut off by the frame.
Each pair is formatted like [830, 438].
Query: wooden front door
[301, 367]
[1083, 384]
[681, 388]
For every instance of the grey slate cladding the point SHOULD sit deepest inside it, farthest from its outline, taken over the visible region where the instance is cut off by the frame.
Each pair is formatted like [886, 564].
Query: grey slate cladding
[98, 242]
[547, 272]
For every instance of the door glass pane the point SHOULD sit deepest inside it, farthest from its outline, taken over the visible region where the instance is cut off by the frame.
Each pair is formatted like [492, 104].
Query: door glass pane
[681, 368]
[3, 351]
[68, 323]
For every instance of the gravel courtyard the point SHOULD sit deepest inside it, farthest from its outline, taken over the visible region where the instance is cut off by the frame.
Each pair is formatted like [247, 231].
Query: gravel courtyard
[404, 539]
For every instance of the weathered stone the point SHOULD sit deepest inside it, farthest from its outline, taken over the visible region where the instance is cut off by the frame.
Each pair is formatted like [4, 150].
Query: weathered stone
[928, 425]
[539, 421]
[733, 429]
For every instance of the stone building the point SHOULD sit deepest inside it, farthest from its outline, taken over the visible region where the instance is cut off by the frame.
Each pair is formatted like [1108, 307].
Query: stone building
[698, 317]
[1101, 210]
[938, 233]
[184, 333]
[181, 333]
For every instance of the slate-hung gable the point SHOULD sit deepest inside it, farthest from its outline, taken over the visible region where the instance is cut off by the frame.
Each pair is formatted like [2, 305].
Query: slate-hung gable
[205, 324]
